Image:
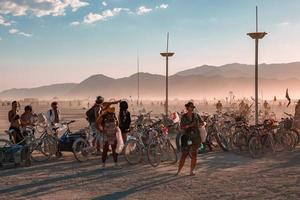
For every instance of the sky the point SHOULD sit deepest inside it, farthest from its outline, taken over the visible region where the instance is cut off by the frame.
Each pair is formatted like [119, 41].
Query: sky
[56, 41]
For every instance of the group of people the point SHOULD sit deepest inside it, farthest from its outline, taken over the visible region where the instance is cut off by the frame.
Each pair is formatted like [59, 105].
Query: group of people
[101, 116]
[106, 126]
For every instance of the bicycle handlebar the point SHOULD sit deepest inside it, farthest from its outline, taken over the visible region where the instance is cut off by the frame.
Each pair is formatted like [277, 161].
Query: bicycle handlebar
[290, 115]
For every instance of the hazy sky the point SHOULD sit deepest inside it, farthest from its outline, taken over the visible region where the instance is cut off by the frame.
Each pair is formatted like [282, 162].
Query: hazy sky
[55, 41]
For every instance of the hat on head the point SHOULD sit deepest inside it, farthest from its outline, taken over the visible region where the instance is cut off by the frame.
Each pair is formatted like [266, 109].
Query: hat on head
[190, 104]
[99, 99]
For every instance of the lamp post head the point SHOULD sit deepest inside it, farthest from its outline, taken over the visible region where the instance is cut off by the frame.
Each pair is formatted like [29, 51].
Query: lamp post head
[257, 35]
[167, 54]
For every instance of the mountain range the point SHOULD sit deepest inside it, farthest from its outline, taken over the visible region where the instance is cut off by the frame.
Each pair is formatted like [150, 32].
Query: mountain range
[199, 82]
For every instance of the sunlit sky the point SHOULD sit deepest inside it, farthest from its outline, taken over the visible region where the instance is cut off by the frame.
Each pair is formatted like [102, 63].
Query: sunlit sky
[56, 41]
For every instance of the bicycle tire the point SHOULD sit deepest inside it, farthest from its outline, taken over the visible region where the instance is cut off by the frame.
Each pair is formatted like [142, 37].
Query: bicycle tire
[154, 150]
[255, 147]
[178, 142]
[170, 152]
[222, 142]
[80, 149]
[38, 153]
[133, 146]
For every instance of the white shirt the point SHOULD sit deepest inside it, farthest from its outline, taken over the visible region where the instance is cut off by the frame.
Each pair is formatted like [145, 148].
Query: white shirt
[50, 115]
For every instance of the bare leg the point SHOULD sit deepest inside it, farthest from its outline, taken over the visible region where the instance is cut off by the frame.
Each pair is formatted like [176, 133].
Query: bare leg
[194, 159]
[182, 160]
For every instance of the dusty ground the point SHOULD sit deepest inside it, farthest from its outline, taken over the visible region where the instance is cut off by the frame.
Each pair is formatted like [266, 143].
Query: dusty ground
[218, 176]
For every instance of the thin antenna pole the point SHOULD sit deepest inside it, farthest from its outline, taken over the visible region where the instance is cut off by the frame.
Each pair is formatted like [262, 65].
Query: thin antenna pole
[256, 19]
[168, 42]
[138, 75]
[167, 77]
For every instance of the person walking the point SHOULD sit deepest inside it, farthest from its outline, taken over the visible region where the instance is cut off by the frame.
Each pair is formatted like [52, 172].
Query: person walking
[190, 141]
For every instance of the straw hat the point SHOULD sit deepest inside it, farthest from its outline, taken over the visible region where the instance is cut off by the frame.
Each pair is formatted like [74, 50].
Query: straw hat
[111, 110]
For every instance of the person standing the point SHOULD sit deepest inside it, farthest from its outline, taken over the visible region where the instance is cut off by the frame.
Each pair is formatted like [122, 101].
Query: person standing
[296, 124]
[190, 141]
[14, 120]
[109, 125]
[53, 115]
[27, 117]
[93, 114]
[219, 107]
[124, 120]
[53, 118]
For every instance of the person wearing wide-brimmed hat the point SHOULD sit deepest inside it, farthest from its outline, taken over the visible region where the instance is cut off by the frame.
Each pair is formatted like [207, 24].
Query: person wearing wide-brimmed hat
[190, 141]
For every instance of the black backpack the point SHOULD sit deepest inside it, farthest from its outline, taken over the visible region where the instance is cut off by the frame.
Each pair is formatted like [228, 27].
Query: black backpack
[90, 114]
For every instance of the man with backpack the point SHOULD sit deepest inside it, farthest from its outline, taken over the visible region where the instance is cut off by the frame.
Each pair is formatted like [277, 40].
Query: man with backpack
[91, 115]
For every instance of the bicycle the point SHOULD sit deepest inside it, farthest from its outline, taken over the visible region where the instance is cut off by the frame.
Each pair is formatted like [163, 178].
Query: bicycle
[160, 148]
[38, 148]
[261, 141]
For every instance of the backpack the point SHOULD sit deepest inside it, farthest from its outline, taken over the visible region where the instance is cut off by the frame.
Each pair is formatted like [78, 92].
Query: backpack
[90, 114]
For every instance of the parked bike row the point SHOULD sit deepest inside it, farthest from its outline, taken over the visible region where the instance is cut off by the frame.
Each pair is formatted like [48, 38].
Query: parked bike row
[143, 137]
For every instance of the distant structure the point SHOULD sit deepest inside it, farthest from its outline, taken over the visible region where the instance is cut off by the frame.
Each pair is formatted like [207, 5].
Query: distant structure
[256, 36]
[167, 54]
[138, 75]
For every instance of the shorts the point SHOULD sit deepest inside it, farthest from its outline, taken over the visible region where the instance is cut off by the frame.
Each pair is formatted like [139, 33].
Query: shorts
[96, 132]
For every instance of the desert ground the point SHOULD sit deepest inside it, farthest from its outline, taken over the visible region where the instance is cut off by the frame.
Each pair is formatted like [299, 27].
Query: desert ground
[219, 175]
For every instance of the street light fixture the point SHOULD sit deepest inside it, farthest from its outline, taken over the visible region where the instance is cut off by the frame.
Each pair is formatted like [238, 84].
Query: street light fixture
[167, 54]
[256, 36]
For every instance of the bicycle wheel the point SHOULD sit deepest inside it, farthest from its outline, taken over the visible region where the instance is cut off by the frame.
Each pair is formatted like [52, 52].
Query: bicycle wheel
[268, 144]
[169, 153]
[178, 142]
[239, 140]
[295, 136]
[133, 152]
[50, 144]
[288, 141]
[154, 153]
[222, 142]
[39, 151]
[255, 147]
[282, 141]
[81, 149]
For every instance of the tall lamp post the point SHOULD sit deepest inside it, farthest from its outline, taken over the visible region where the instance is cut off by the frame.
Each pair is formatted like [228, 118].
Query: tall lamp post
[138, 77]
[167, 54]
[256, 36]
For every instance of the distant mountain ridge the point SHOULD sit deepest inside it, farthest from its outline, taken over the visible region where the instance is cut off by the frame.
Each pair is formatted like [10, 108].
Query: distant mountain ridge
[200, 82]
[234, 70]
[50, 91]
